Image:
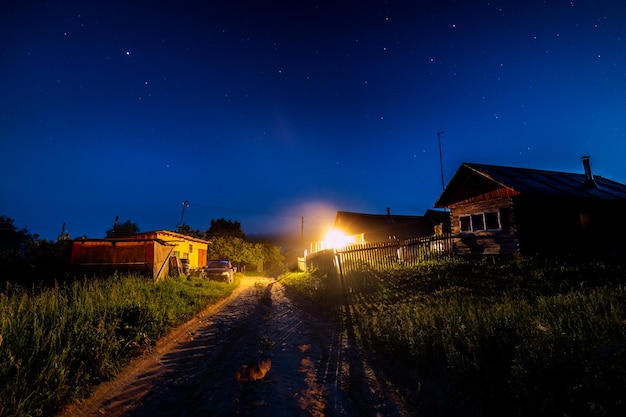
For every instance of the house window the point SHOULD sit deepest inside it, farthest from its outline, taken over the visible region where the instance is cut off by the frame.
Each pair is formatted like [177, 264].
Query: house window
[480, 221]
[466, 224]
[492, 220]
[190, 248]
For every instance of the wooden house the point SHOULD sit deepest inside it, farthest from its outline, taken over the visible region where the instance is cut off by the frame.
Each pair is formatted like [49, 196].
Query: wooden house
[500, 210]
[185, 247]
[386, 227]
[103, 257]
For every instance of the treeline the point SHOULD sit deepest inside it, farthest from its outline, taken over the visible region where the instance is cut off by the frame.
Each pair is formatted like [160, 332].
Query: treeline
[228, 241]
[28, 260]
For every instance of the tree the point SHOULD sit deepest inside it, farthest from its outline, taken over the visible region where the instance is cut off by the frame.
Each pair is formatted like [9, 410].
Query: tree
[125, 229]
[188, 231]
[273, 258]
[245, 254]
[223, 227]
[228, 242]
[48, 260]
[225, 248]
[12, 239]
[26, 259]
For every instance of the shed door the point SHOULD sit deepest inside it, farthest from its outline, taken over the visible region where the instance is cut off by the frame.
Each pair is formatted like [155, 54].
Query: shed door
[201, 258]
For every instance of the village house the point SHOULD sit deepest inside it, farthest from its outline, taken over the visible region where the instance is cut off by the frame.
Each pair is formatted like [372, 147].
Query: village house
[397, 238]
[386, 227]
[362, 228]
[500, 210]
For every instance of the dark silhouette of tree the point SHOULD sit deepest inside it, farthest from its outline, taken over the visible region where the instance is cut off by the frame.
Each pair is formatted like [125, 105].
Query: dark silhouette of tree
[228, 241]
[225, 228]
[26, 260]
[188, 231]
[12, 239]
[125, 229]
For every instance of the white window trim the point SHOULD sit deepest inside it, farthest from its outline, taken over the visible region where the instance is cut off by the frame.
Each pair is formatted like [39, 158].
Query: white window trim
[481, 213]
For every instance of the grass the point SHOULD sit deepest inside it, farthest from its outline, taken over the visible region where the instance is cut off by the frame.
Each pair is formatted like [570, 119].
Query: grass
[57, 343]
[322, 292]
[514, 338]
[306, 285]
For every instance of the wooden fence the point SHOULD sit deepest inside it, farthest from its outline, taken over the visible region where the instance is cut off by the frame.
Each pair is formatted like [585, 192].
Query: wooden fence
[382, 255]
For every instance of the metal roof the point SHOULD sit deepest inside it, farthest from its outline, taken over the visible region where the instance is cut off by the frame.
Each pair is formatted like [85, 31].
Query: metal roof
[182, 237]
[401, 226]
[536, 181]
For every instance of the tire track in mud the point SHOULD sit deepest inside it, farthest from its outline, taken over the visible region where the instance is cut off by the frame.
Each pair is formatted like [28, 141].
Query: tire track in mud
[315, 370]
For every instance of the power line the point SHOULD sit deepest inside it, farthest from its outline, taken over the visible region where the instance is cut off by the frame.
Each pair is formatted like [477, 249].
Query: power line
[232, 210]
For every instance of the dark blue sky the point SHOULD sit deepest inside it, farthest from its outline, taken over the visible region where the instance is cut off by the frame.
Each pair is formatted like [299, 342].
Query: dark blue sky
[263, 112]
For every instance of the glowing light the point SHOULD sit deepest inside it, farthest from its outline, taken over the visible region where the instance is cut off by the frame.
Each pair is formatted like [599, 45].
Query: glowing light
[336, 239]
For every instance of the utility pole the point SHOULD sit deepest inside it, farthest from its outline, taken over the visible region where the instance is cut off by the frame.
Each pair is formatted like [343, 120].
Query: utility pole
[114, 231]
[439, 133]
[64, 234]
[182, 216]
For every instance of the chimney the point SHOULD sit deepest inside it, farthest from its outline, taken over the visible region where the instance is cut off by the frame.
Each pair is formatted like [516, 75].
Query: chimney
[389, 218]
[589, 181]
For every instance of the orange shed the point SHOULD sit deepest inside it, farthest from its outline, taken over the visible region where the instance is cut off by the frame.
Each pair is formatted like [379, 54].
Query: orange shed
[186, 247]
[105, 256]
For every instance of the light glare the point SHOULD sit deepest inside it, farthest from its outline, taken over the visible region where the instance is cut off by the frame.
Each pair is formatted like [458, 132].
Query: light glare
[336, 239]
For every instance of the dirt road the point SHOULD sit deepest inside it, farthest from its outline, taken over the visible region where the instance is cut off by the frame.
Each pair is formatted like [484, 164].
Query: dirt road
[316, 369]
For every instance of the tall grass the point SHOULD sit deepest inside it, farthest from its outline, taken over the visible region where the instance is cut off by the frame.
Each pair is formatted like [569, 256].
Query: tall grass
[516, 338]
[322, 292]
[56, 343]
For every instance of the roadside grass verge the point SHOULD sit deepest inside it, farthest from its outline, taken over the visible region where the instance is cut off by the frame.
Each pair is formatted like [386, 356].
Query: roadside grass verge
[57, 343]
[515, 338]
[321, 292]
[304, 284]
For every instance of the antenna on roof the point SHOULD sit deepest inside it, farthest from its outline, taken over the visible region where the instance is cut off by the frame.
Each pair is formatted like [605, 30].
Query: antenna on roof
[439, 134]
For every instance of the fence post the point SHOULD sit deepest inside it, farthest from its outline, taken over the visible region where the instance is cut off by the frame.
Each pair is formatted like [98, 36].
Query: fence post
[338, 263]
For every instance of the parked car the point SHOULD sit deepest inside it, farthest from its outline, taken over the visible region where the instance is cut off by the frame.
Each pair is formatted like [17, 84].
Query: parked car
[219, 270]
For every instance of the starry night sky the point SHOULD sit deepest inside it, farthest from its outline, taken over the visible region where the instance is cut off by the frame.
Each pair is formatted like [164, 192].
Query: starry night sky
[264, 112]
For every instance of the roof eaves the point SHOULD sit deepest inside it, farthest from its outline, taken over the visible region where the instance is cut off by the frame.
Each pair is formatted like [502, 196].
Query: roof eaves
[500, 181]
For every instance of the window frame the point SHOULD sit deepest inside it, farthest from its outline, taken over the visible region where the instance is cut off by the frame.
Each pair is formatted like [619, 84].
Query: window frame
[497, 218]
[465, 224]
[482, 219]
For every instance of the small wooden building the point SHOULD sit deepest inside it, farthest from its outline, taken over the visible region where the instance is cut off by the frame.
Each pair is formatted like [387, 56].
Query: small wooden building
[185, 247]
[103, 257]
[499, 210]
